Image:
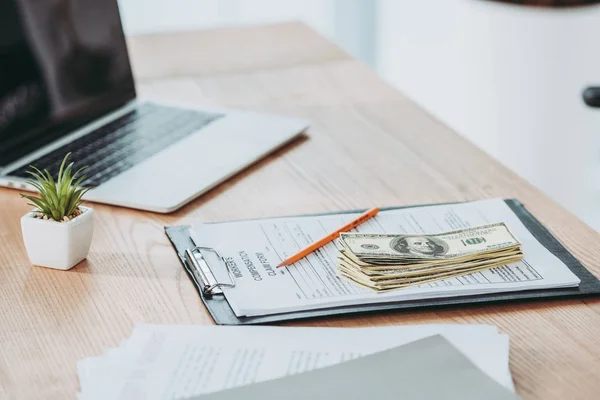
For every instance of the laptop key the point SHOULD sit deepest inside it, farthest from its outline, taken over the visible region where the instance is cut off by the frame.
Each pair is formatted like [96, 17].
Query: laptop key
[125, 142]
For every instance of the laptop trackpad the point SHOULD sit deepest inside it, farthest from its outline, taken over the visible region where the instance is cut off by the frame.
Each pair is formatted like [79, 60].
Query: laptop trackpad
[192, 166]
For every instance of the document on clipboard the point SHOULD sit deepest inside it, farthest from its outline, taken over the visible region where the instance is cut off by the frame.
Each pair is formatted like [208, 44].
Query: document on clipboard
[239, 259]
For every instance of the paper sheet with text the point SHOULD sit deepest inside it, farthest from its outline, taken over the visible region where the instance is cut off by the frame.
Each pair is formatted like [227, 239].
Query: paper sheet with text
[177, 361]
[252, 249]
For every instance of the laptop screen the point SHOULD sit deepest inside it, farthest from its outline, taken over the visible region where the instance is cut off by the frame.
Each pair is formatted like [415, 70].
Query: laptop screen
[63, 63]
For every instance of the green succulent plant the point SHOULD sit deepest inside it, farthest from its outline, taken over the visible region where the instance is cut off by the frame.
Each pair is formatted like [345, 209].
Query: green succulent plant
[58, 199]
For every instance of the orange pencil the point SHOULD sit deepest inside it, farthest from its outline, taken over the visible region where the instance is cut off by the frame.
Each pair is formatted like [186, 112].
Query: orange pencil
[332, 236]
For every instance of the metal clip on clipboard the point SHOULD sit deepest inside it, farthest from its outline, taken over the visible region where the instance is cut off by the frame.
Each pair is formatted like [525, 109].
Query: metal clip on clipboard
[201, 271]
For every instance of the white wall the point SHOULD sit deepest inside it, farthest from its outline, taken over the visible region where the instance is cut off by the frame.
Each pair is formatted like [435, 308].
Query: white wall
[350, 23]
[509, 78]
[143, 16]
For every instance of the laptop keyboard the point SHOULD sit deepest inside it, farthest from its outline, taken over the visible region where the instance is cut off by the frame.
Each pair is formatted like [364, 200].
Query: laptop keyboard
[122, 143]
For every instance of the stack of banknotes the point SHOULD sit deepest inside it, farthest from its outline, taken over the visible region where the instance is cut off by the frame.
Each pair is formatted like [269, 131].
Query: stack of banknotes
[393, 261]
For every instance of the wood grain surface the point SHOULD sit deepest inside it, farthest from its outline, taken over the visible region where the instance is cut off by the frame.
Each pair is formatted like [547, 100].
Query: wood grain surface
[368, 145]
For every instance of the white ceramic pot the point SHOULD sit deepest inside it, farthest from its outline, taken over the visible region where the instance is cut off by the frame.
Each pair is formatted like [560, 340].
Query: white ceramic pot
[58, 245]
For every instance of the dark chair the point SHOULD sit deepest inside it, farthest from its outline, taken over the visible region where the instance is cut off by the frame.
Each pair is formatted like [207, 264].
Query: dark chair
[591, 96]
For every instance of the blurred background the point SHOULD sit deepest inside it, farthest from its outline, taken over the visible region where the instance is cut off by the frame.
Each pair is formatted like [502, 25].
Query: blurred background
[506, 76]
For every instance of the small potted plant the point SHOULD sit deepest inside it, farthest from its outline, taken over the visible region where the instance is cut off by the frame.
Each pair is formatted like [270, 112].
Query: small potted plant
[58, 232]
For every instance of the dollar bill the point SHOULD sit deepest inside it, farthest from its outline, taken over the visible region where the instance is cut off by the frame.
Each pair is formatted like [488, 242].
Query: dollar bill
[398, 283]
[385, 262]
[420, 271]
[455, 244]
[405, 284]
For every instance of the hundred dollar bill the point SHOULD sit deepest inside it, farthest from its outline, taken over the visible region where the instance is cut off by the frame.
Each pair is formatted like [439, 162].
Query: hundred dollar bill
[449, 245]
[398, 283]
[391, 272]
[408, 283]
[378, 264]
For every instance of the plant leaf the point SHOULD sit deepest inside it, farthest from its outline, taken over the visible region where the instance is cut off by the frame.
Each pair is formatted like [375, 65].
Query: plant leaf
[62, 166]
[57, 198]
[37, 203]
[56, 214]
[35, 184]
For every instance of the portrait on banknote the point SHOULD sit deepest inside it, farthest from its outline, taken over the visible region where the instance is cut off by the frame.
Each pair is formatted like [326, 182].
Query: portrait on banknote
[419, 245]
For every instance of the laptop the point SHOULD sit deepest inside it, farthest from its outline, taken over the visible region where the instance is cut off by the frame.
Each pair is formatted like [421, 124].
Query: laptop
[66, 86]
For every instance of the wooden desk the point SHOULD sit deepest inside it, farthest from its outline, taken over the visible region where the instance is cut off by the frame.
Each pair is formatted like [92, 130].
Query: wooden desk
[369, 146]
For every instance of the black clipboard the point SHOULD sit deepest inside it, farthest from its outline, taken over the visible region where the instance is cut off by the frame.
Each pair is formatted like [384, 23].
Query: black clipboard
[222, 314]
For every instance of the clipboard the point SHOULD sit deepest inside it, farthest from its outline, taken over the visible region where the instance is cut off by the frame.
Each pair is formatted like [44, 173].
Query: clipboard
[193, 261]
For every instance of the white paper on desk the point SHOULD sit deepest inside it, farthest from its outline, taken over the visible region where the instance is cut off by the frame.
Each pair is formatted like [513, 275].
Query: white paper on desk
[403, 372]
[179, 361]
[480, 343]
[254, 248]
[97, 373]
